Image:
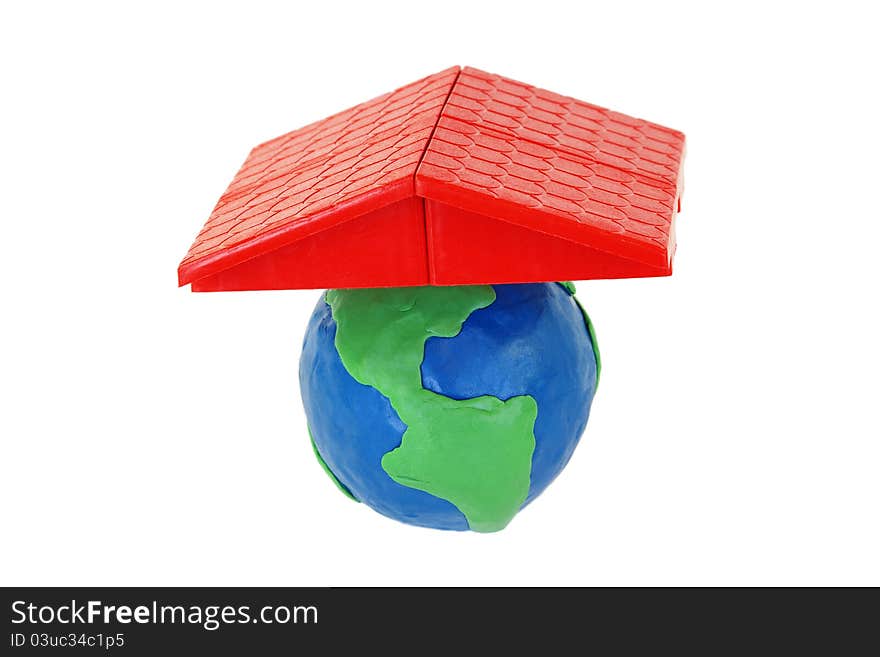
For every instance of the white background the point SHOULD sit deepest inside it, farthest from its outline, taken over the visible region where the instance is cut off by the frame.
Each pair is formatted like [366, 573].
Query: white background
[154, 436]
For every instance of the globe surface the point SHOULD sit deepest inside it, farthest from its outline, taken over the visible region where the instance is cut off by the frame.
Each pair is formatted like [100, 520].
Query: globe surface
[448, 407]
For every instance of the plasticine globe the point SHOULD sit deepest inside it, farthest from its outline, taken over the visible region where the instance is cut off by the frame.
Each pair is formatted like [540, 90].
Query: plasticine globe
[448, 407]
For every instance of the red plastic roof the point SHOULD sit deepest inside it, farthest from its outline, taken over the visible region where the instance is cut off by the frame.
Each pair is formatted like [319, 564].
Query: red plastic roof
[470, 140]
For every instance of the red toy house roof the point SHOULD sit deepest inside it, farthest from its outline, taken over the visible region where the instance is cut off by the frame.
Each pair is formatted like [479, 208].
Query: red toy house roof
[462, 177]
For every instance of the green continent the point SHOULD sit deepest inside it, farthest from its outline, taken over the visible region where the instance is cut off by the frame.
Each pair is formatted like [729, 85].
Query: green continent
[475, 453]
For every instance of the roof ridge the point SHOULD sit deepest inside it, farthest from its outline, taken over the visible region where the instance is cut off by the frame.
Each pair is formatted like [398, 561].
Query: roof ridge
[437, 122]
